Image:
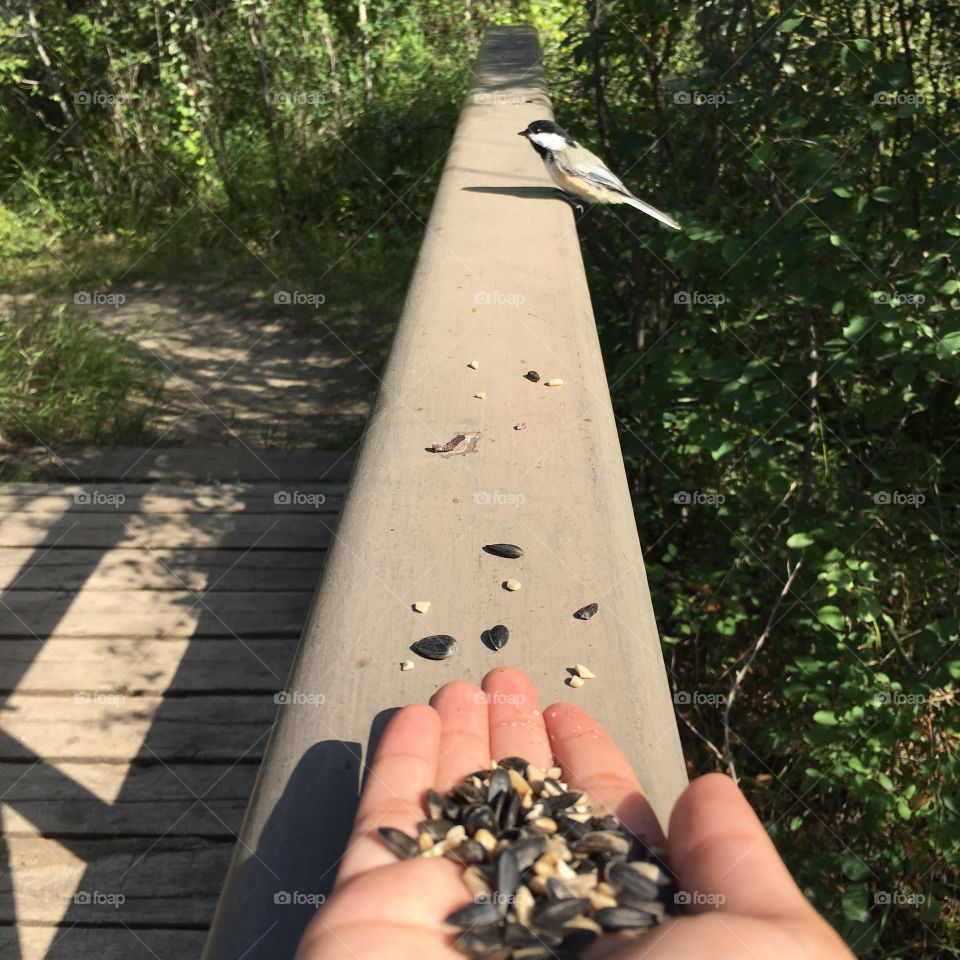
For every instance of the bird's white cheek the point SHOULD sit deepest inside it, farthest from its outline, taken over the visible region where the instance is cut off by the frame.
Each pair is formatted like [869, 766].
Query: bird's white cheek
[549, 141]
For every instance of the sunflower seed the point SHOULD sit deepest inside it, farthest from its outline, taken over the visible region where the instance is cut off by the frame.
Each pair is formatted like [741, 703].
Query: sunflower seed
[475, 915]
[480, 942]
[468, 793]
[509, 551]
[437, 647]
[558, 890]
[435, 829]
[623, 918]
[532, 376]
[499, 783]
[585, 613]
[499, 635]
[508, 877]
[403, 846]
[470, 851]
[601, 841]
[556, 912]
[513, 763]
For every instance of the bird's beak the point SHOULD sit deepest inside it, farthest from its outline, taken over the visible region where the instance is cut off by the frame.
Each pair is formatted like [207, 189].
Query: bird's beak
[522, 133]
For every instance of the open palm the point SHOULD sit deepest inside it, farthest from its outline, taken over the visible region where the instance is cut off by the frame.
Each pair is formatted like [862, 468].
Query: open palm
[744, 903]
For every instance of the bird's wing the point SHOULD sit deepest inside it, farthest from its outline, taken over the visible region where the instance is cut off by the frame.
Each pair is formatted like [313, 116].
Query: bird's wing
[583, 163]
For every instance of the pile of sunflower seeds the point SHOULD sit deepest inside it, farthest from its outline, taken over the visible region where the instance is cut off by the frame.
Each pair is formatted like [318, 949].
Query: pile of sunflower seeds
[549, 872]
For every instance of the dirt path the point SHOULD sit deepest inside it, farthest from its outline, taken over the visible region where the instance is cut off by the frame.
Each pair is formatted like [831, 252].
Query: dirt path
[236, 372]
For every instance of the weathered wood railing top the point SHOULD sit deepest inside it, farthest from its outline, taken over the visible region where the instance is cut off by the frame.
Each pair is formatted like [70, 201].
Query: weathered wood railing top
[500, 280]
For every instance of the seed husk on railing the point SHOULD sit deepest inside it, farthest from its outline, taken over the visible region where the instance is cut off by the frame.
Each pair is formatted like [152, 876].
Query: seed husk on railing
[509, 551]
[548, 871]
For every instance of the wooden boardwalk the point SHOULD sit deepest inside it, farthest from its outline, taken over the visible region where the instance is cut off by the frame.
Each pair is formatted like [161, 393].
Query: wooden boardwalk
[146, 626]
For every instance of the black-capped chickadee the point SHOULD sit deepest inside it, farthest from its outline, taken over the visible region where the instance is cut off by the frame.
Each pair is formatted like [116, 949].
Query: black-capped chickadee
[579, 174]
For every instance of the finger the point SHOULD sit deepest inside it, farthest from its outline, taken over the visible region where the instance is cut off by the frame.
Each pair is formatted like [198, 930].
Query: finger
[404, 767]
[591, 761]
[515, 722]
[464, 738]
[723, 857]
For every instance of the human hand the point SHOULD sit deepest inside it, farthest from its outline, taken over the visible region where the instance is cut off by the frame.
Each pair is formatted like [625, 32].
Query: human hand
[744, 904]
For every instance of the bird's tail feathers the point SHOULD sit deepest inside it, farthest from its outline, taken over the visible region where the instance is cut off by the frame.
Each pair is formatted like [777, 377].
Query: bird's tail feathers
[651, 211]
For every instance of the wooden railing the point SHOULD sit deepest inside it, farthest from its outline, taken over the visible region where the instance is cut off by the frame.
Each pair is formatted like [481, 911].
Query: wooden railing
[500, 280]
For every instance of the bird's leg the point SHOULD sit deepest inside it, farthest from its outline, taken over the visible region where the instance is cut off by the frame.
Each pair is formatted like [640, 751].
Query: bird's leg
[571, 199]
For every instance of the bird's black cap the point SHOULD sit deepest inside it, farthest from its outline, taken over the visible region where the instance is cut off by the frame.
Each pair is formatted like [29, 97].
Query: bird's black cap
[546, 126]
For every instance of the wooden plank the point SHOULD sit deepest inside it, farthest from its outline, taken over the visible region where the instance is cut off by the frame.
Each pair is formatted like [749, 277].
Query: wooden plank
[125, 568]
[175, 882]
[134, 667]
[148, 728]
[196, 531]
[134, 464]
[100, 943]
[164, 498]
[150, 613]
[155, 800]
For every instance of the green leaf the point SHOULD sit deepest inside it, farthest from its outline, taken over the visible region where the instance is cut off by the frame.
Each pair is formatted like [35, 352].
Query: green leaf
[797, 541]
[855, 903]
[827, 718]
[948, 345]
[856, 328]
[855, 868]
[831, 616]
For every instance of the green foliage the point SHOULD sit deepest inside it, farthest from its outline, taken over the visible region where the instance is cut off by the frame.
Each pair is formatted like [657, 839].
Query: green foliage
[785, 374]
[62, 380]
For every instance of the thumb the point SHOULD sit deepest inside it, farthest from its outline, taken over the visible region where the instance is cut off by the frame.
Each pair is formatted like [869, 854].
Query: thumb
[723, 858]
